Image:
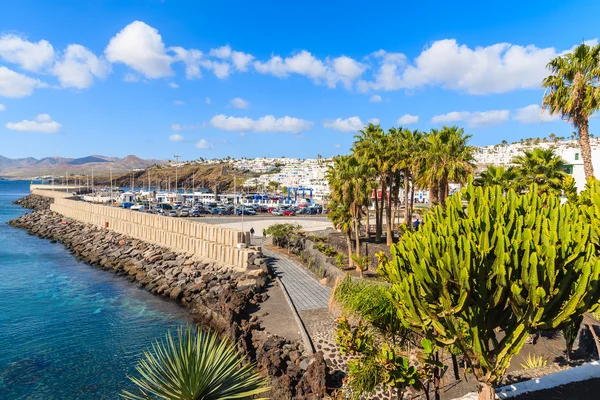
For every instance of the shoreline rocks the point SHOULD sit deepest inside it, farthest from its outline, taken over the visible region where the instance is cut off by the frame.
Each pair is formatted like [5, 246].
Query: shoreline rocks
[216, 296]
[35, 202]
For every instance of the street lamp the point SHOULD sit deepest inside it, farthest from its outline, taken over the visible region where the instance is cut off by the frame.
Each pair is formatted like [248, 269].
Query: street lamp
[176, 166]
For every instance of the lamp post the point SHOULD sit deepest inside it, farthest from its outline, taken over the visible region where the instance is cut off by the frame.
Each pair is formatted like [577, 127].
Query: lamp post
[176, 156]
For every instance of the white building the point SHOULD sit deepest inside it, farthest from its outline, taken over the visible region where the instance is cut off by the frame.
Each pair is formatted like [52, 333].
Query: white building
[569, 151]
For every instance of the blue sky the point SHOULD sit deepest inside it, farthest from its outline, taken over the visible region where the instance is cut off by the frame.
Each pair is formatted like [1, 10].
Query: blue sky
[271, 78]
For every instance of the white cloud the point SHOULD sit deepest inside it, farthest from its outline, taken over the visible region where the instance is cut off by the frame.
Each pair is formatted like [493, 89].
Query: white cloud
[337, 146]
[267, 123]
[532, 114]
[13, 84]
[351, 124]
[176, 137]
[2, 107]
[140, 47]
[220, 69]
[208, 100]
[374, 121]
[341, 69]
[204, 145]
[173, 85]
[28, 55]
[191, 58]
[176, 127]
[408, 119]
[221, 52]
[498, 68]
[78, 67]
[178, 103]
[478, 119]
[239, 103]
[241, 60]
[43, 124]
[180, 128]
[375, 98]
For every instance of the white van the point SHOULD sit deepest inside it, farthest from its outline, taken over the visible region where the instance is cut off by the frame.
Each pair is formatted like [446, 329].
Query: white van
[138, 207]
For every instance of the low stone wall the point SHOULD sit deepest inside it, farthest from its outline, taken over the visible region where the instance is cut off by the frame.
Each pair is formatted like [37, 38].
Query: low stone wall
[320, 264]
[216, 296]
[208, 241]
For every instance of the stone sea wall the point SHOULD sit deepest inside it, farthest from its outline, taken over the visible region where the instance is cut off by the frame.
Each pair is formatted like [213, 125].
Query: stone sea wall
[35, 202]
[216, 295]
[212, 242]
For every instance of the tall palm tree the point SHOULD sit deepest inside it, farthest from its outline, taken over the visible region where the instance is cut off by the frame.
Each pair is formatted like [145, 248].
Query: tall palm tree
[573, 92]
[540, 166]
[497, 175]
[409, 149]
[198, 365]
[349, 193]
[370, 147]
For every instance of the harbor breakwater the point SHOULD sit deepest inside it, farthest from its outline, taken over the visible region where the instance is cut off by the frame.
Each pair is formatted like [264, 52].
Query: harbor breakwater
[218, 296]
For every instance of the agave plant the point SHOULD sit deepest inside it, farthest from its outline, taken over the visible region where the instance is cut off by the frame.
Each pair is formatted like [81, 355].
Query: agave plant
[533, 361]
[196, 366]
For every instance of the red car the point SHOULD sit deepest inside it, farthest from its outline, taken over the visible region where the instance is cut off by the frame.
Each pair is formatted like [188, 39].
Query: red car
[289, 213]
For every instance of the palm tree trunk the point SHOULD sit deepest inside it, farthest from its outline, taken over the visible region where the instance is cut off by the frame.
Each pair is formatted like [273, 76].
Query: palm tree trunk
[349, 244]
[412, 205]
[586, 151]
[406, 194]
[357, 233]
[443, 192]
[382, 206]
[434, 193]
[388, 217]
[368, 227]
[377, 221]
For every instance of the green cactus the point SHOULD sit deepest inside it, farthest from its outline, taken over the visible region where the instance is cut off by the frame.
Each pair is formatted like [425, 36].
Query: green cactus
[497, 261]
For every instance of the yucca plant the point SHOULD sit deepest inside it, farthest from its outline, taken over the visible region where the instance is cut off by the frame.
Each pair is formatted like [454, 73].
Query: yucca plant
[196, 366]
[532, 361]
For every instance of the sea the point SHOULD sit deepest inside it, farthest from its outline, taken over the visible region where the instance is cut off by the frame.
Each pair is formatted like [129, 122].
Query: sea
[68, 330]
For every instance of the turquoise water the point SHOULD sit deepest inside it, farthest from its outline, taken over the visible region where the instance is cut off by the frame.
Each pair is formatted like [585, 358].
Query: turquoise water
[67, 330]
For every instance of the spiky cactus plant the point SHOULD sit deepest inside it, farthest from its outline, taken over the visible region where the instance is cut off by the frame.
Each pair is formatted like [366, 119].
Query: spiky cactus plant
[494, 267]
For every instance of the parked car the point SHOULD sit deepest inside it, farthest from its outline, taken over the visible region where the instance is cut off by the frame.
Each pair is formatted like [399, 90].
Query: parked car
[302, 210]
[246, 212]
[184, 213]
[289, 213]
[276, 212]
[172, 213]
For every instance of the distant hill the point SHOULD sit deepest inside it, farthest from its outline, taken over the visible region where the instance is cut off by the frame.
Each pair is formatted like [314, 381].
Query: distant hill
[85, 160]
[30, 167]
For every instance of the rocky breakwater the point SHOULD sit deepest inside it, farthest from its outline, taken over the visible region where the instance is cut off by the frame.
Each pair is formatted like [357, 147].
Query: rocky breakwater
[216, 296]
[35, 202]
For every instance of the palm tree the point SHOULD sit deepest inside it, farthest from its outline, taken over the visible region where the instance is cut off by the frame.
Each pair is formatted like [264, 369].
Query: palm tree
[198, 365]
[446, 158]
[501, 176]
[410, 148]
[370, 148]
[573, 92]
[540, 166]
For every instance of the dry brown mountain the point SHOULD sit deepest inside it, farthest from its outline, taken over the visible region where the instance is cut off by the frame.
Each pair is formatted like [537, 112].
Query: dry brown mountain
[28, 167]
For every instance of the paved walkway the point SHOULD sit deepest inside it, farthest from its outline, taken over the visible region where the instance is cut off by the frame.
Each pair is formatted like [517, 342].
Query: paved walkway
[304, 289]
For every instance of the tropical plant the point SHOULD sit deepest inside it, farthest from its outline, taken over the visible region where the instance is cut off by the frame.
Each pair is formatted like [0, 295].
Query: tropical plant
[496, 262]
[361, 262]
[282, 234]
[573, 92]
[533, 361]
[196, 365]
[408, 162]
[542, 167]
[339, 260]
[497, 175]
